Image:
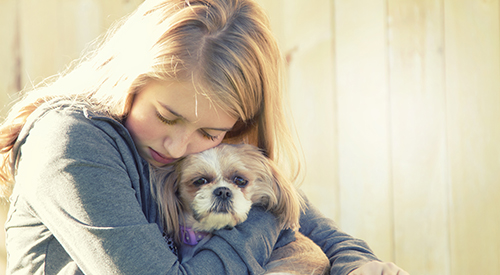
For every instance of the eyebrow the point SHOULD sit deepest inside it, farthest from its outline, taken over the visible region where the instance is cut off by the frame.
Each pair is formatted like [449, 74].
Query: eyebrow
[168, 108]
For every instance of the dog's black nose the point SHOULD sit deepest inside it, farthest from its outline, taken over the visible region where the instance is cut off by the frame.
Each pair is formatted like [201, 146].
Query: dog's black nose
[222, 193]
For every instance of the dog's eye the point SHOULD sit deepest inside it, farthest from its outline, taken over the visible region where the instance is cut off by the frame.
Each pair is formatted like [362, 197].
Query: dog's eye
[241, 182]
[200, 181]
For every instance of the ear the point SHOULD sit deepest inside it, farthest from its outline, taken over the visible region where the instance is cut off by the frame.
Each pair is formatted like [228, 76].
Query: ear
[289, 203]
[166, 185]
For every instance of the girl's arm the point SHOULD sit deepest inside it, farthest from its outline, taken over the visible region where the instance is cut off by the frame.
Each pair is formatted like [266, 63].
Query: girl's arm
[76, 179]
[345, 252]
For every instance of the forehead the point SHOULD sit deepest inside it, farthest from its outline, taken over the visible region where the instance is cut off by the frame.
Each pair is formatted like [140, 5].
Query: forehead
[188, 102]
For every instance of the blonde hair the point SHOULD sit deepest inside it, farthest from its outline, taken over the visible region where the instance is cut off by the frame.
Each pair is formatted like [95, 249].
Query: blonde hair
[224, 47]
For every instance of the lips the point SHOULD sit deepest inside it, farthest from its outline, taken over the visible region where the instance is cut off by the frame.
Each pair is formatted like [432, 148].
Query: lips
[160, 158]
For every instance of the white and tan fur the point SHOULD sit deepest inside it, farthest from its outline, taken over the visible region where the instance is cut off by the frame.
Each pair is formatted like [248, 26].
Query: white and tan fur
[216, 188]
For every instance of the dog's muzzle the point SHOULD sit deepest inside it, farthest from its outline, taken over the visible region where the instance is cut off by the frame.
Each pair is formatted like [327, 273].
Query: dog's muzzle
[222, 200]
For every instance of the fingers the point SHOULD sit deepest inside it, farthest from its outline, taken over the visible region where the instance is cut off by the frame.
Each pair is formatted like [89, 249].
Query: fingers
[379, 268]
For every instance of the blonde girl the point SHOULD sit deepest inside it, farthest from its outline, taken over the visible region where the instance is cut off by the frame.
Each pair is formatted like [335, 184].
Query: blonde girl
[176, 77]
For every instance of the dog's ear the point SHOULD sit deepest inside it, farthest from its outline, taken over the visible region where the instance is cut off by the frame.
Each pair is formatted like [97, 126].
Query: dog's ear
[289, 203]
[275, 191]
[165, 181]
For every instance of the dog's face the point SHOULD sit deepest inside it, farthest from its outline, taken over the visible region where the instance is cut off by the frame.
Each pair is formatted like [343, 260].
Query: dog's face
[218, 187]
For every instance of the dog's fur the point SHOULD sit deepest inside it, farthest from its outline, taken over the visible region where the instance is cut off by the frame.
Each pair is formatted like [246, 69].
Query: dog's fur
[216, 188]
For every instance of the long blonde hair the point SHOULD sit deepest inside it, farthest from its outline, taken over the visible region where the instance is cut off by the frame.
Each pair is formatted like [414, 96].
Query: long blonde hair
[225, 47]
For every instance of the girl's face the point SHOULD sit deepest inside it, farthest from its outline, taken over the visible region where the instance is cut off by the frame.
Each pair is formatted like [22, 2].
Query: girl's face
[169, 120]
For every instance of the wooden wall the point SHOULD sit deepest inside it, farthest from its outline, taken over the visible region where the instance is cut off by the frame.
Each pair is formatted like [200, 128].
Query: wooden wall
[396, 103]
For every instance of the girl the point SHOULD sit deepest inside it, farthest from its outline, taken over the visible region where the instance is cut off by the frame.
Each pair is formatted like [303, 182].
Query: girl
[177, 77]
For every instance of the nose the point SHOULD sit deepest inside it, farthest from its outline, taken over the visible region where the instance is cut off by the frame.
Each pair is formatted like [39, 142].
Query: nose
[177, 144]
[222, 193]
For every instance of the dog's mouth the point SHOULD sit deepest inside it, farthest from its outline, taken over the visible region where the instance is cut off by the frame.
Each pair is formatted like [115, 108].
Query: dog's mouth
[217, 207]
[221, 206]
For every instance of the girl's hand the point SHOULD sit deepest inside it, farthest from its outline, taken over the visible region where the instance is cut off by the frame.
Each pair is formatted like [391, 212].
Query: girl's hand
[379, 268]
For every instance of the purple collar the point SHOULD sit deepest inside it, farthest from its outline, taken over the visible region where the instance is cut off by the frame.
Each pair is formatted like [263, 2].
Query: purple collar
[191, 237]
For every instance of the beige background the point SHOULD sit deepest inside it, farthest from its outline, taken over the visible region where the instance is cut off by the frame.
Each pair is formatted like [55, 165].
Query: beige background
[396, 103]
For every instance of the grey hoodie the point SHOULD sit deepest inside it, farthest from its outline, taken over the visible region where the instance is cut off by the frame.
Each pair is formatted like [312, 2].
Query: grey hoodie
[82, 204]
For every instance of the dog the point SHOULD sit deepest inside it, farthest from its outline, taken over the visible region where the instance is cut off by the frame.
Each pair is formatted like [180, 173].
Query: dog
[216, 188]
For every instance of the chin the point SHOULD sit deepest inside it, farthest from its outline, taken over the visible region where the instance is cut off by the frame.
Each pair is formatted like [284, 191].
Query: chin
[215, 189]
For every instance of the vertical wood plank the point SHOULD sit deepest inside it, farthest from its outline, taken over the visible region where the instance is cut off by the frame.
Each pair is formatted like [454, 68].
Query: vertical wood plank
[363, 123]
[80, 22]
[309, 45]
[418, 123]
[38, 40]
[9, 55]
[473, 97]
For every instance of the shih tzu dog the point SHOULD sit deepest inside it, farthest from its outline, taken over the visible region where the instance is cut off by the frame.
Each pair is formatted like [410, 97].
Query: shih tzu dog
[216, 188]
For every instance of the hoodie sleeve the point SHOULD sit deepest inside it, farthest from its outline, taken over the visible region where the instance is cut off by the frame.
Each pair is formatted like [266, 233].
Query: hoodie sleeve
[345, 252]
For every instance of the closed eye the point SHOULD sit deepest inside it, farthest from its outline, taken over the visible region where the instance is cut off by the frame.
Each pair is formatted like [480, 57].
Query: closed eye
[165, 120]
[209, 136]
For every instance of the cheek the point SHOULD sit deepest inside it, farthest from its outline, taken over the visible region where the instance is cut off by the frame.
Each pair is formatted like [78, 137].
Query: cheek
[141, 126]
[135, 127]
